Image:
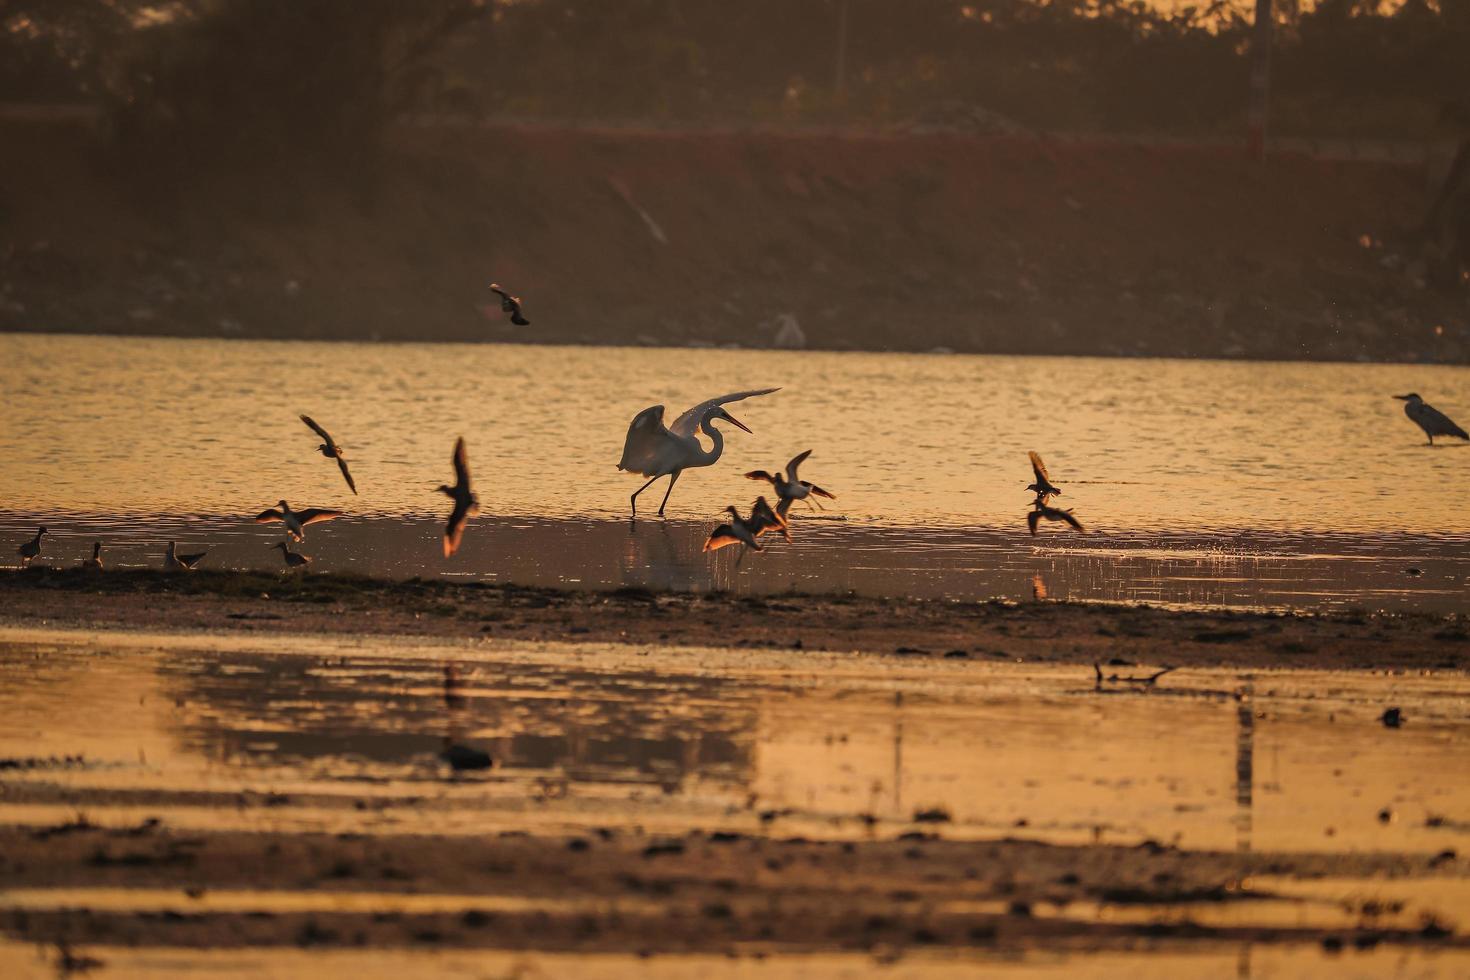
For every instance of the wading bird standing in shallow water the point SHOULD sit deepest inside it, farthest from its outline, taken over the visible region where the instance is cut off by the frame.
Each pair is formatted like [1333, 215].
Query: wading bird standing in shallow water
[32, 548]
[790, 488]
[1430, 419]
[175, 562]
[293, 559]
[296, 520]
[510, 304]
[1043, 486]
[466, 504]
[745, 530]
[95, 562]
[331, 450]
[653, 449]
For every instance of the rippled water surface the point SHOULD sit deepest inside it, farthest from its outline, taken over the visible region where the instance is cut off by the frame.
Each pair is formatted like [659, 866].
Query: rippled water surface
[1200, 482]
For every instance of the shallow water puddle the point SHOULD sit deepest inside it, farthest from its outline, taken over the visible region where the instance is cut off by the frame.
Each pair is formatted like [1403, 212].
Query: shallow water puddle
[346, 734]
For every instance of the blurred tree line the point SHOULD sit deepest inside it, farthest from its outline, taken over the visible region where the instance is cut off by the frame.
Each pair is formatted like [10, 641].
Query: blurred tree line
[232, 78]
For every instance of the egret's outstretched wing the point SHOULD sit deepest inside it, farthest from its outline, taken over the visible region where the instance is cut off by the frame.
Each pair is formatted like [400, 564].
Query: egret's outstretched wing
[650, 447]
[346, 474]
[1038, 468]
[326, 437]
[315, 515]
[796, 461]
[688, 423]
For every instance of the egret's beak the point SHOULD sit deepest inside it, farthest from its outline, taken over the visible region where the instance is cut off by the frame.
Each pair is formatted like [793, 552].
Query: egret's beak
[733, 419]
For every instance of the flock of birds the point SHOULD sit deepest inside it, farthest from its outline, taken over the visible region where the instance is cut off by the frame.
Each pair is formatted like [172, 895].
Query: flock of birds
[655, 450]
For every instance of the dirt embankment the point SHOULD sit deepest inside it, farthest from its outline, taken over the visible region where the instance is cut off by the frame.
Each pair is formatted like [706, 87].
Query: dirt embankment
[912, 243]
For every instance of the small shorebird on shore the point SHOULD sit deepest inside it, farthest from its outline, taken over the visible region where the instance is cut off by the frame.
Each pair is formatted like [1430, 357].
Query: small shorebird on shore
[1430, 419]
[790, 487]
[31, 549]
[1043, 487]
[653, 449]
[331, 450]
[293, 559]
[510, 304]
[745, 530]
[1041, 512]
[175, 562]
[466, 504]
[296, 520]
[95, 562]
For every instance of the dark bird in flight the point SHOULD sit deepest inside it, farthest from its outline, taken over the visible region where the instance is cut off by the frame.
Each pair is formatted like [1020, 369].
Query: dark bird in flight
[791, 488]
[466, 504]
[1430, 419]
[296, 520]
[293, 559]
[510, 304]
[745, 530]
[1041, 512]
[32, 548]
[1043, 486]
[95, 562]
[175, 562]
[331, 450]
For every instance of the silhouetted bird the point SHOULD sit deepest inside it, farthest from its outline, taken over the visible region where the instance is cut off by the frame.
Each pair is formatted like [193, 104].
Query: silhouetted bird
[293, 559]
[1043, 486]
[463, 757]
[1041, 512]
[331, 450]
[510, 304]
[31, 549]
[466, 504]
[654, 449]
[95, 562]
[1430, 419]
[745, 530]
[175, 562]
[296, 520]
[789, 487]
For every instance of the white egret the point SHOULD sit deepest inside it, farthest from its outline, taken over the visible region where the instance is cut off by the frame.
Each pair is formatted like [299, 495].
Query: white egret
[466, 504]
[296, 520]
[175, 562]
[653, 449]
[331, 450]
[1430, 419]
[32, 548]
[789, 487]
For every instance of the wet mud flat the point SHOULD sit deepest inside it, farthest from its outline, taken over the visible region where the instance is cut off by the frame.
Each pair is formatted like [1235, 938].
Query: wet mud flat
[353, 777]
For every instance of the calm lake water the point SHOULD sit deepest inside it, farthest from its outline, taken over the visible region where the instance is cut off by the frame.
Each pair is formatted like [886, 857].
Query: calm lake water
[1200, 482]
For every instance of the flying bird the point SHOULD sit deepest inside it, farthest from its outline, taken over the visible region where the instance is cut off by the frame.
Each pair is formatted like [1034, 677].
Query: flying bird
[791, 488]
[1043, 486]
[293, 559]
[1430, 419]
[653, 449]
[331, 450]
[296, 520]
[175, 562]
[1041, 512]
[95, 562]
[745, 530]
[32, 548]
[466, 504]
[510, 304]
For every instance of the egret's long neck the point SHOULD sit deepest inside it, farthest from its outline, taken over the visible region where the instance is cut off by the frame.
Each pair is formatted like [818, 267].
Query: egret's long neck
[707, 457]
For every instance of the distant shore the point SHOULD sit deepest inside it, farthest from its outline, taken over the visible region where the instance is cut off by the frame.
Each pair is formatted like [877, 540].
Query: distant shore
[1116, 637]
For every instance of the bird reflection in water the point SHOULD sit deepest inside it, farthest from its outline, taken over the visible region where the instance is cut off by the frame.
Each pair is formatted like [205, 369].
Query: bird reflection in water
[461, 757]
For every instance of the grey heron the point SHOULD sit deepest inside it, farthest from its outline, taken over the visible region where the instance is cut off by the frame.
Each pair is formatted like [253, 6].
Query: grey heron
[296, 520]
[175, 562]
[32, 548]
[95, 562]
[790, 487]
[293, 559]
[1043, 486]
[745, 530]
[510, 304]
[1430, 419]
[653, 449]
[466, 504]
[331, 450]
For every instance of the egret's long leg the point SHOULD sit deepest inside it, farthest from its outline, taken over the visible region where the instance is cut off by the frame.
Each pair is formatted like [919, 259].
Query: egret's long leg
[673, 478]
[634, 499]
